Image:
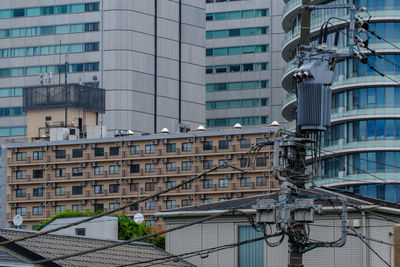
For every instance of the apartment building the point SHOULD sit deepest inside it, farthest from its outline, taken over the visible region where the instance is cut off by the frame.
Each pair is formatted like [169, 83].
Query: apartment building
[243, 62]
[46, 178]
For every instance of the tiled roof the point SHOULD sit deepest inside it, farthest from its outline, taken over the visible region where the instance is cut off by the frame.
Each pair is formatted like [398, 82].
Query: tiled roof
[49, 246]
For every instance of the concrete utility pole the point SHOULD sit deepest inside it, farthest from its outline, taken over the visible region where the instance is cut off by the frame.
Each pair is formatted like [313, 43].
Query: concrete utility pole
[396, 231]
[314, 76]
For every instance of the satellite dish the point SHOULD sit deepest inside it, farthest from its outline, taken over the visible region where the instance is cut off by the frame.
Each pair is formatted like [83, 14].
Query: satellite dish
[138, 218]
[17, 220]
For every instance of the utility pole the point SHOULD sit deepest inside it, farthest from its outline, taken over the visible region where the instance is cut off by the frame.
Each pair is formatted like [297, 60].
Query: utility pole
[292, 213]
[396, 232]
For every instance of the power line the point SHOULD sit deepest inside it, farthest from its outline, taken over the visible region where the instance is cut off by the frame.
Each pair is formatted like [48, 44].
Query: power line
[116, 244]
[120, 208]
[376, 253]
[368, 238]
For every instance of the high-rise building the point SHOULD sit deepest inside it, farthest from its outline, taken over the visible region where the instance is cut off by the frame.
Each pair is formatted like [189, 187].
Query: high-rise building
[361, 150]
[148, 55]
[243, 62]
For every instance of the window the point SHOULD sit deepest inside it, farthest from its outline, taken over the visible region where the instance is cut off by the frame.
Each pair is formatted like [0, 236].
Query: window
[223, 144]
[223, 199]
[207, 200]
[20, 193]
[80, 231]
[77, 153]
[135, 150]
[77, 171]
[244, 182]
[20, 156]
[149, 167]
[37, 174]
[77, 8]
[77, 190]
[60, 154]
[91, 27]
[245, 143]
[21, 174]
[261, 181]
[113, 206]
[186, 165]
[62, 9]
[207, 183]
[150, 149]
[186, 147]
[20, 12]
[60, 191]
[150, 186]
[150, 223]
[244, 163]
[134, 207]
[60, 209]
[170, 184]
[37, 155]
[150, 205]
[207, 164]
[114, 151]
[135, 168]
[47, 10]
[207, 145]
[21, 211]
[91, 7]
[114, 188]
[261, 162]
[98, 207]
[37, 192]
[171, 204]
[186, 186]
[99, 152]
[171, 166]
[114, 169]
[60, 172]
[38, 210]
[98, 189]
[223, 182]
[186, 202]
[171, 147]
[134, 187]
[99, 170]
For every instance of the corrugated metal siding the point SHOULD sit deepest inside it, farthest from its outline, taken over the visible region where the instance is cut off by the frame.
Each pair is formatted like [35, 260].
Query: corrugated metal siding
[250, 255]
[9, 259]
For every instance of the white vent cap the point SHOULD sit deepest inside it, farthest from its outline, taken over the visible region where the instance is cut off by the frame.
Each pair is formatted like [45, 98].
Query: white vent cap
[275, 123]
[165, 131]
[201, 128]
[237, 126]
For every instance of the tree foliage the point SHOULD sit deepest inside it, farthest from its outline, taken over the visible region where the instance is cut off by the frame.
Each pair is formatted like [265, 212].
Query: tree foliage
[127, 228]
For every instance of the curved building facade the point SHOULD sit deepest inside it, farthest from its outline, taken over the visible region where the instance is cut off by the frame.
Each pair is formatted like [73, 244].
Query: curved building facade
[361, 150]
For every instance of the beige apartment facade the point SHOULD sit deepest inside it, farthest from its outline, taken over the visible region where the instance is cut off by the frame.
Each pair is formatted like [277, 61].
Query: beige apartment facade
[45, 178]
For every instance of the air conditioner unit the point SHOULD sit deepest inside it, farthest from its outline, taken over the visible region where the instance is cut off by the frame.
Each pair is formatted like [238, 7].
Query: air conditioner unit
[118, 162]
[93, 145]
[228, 156]
[92, 182]
[43, 167]
[15, 150]
[154, 179]
[92, 201]
[14, 205]
[128, 162]
[83, 183]
[228, 175]
[14, 186]
[229, 195]
[53, 167]
[240, 194]
[129, 143]
[190, 158]
[53, 148]
[202, 196]
[42, 203]
[82, 164]
[117, 143]
[154, 142]
[82, 201]
[191, 139]
[42, 185]
[43, 148]
[202, 139]
[53, 185]
[154, 160]
[201, 158]
[165, 198]
[228, 137]
[164, 160]
[128, 200]
[239, 175]
[118, 181]
[53, 203]
[165, 179]
[15, 168]
[83, 145]
[165, 141]
[93, 164]
[191, 196]
[239, 136]
[239, 156]
[155, 198]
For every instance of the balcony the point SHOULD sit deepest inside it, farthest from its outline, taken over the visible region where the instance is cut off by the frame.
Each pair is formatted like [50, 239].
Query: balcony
[287, 74]
[289, 107]
[341, 114]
